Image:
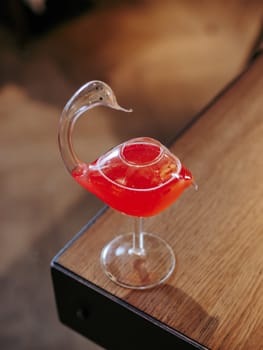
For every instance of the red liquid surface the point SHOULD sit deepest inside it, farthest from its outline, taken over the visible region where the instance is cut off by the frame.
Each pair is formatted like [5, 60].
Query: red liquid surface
[137, 180]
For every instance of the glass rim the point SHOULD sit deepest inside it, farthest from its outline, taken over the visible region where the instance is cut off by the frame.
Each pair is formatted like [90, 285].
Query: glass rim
[176, 174]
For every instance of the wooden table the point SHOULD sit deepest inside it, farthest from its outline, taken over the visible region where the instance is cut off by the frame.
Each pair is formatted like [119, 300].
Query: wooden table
[215, 298]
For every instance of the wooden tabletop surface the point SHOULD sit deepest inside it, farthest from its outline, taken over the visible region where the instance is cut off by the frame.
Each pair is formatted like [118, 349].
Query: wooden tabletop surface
[215, 295]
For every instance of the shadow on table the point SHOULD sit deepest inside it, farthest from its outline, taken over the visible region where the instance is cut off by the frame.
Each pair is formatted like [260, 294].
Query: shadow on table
[177, 309]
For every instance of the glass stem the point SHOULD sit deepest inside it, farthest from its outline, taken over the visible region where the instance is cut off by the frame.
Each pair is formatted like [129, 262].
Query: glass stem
[137, 239]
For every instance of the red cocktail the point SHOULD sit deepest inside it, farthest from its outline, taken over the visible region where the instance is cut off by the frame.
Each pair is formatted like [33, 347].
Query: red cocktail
[140, 177]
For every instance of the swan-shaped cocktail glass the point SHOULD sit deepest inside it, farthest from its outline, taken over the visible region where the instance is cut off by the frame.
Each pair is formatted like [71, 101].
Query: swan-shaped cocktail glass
[140, 178]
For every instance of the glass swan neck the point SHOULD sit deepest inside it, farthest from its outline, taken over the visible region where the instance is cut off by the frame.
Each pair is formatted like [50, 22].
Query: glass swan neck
[93, 94]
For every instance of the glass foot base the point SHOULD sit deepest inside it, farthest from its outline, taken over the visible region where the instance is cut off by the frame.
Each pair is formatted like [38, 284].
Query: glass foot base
[139, 268]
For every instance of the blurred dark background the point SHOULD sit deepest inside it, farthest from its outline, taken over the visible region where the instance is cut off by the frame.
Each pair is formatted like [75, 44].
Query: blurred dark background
[28, 19]
[165, 59]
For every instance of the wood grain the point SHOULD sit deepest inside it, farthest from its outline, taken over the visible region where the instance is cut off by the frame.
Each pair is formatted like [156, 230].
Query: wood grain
[216, 294]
